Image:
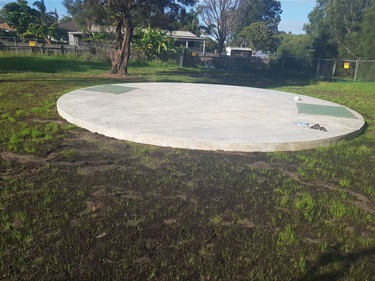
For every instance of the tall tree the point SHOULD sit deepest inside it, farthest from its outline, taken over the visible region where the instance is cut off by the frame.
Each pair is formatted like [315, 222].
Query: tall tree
[121, 14]
[47, 26]
[260, 37]
[221, 17]
[41, 7]
[298, 45]
[19, 15]
[252, 11]
[367, 34]
[318, 29]
[188, 21]
[335, 26]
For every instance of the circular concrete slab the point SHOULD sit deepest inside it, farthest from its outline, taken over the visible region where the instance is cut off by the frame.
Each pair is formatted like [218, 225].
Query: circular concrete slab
[209, 117]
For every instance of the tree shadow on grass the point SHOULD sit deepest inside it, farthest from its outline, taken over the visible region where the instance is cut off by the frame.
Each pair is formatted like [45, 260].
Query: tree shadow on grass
[45, 64]
[331, 256]
[250, 78]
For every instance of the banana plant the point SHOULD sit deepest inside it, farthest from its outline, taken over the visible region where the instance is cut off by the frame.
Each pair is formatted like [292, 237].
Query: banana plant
[153, 42]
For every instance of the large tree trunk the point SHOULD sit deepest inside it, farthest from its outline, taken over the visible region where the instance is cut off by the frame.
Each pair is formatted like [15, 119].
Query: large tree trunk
[221, 46]
[121, 53]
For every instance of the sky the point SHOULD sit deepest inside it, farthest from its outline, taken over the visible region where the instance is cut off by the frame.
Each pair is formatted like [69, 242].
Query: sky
[294, 15]
[293, 18]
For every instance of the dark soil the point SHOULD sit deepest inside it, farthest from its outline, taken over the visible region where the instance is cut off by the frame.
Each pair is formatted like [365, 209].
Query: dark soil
[102, 209]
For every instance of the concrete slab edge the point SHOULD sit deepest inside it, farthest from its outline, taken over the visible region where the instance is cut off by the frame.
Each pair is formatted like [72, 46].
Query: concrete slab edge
[196, 144]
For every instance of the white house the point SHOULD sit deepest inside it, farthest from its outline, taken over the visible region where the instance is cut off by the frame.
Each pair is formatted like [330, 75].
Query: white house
[239, 52]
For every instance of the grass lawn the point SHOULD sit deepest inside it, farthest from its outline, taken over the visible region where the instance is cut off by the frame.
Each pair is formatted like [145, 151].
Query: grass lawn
[80, 206]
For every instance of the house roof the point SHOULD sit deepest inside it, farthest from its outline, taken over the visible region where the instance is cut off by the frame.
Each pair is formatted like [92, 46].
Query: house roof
[97, 28]
[5, 26]
[238, 49]
[69, 26]
[185, 35]
[177, 34]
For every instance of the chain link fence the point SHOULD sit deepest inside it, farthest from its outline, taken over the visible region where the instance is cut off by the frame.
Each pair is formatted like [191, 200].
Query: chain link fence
[294, 65]
[366, 70]
[326, 69]
[222, 61]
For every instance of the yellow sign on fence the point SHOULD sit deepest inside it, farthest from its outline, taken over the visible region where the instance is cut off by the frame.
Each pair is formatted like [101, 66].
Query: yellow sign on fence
[32, 43]
[346, 65]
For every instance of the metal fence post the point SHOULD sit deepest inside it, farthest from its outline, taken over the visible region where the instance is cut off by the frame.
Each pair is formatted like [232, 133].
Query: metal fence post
[303, 62]
[357, 63]
[15, 44]
[282, 64]
[182, 58]
[317, 68]
[334, 68]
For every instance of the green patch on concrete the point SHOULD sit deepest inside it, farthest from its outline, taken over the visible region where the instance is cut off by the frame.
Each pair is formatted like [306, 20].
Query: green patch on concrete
[318, 109]
[111, 89]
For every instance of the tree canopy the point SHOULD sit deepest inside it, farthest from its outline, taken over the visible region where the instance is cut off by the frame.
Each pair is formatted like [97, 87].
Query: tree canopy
[259, 36]
[368, 34]
[219, 16]
[229, 19]
[266, 11]
[45, 17]
[30, 22]
[19, 15]
[298, 45]
[122, 15]
[336, 27]
[188, 21]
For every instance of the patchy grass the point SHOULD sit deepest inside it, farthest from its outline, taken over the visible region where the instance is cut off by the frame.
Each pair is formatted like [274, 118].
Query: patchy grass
[77, 205]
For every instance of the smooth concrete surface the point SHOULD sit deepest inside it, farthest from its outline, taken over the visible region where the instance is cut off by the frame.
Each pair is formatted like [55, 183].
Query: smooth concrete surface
[205, 117]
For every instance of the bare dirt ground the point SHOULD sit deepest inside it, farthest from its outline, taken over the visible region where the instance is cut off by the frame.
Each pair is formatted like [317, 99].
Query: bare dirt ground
[114, 210]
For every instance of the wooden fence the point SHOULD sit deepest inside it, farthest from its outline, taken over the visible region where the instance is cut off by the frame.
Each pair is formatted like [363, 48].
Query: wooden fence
[12, 44]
